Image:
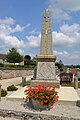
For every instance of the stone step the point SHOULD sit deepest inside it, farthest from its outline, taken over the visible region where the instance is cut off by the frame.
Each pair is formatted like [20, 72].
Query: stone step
[67, 95]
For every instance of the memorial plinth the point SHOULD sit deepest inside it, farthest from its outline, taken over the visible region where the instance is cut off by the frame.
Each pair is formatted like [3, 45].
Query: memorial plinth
[45, 73]
[45, 69]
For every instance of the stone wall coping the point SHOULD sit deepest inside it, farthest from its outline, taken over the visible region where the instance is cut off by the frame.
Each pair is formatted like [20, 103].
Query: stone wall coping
[8, 68]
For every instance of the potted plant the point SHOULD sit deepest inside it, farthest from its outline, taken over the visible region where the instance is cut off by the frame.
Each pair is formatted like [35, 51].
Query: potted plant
[42, 97]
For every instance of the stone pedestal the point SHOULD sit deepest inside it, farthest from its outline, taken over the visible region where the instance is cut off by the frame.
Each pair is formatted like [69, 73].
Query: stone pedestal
[45, 67]
[45, 71]
[50, 83]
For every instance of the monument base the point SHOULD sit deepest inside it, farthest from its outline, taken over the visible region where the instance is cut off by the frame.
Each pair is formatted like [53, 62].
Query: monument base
[50, 83]
[45, 67]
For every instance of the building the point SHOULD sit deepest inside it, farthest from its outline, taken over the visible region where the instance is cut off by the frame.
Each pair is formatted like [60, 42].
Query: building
[2, 58]
[66, 77]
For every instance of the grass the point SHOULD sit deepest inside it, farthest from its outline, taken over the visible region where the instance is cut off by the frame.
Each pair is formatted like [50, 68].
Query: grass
[27, 83]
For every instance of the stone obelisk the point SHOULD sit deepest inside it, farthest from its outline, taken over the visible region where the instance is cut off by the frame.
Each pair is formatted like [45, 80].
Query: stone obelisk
[46, 35]
[45, 71]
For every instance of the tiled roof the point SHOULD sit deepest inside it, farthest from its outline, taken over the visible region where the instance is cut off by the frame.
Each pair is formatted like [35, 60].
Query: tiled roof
[73, 70]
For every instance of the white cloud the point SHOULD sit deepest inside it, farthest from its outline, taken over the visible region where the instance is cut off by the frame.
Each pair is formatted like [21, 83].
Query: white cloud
[58, 13]
[34, 32]
[6, 28]
[72, 5]
[68, 36]
[68, 57]
[6, 38]
[33, 41]
[63, 54]
[70, 29]
[7, 21]
[60, 39]
[61, 9]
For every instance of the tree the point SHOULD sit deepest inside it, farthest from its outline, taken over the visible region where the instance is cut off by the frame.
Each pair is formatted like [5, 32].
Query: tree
[27, 59]
[13, 56]
[60, 64]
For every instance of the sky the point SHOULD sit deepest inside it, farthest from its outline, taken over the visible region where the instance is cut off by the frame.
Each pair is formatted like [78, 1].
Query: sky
[21, 25]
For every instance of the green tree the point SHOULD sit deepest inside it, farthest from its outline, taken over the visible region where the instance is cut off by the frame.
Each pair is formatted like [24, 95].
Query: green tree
[60, 64]
[13, 56]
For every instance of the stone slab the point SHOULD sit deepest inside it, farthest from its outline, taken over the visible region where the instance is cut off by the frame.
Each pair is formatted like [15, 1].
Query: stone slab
[46, 56]
[67, 95]
[45, 70]
[17, 95]
[52, 83]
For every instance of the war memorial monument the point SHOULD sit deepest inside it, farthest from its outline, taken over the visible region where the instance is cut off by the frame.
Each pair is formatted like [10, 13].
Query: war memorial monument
[45, 71]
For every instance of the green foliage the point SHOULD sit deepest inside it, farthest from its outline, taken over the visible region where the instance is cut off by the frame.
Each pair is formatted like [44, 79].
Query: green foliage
[17, 66]
[73, 66]
[78, 78]
[28, 82]
[3, 93]
[59, 64]
[31, 62]
[12, 88]
[78, 84]
[13, 56]
[1, 65]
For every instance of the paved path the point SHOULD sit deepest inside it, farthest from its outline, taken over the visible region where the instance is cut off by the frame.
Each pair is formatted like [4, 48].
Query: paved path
[6, 82]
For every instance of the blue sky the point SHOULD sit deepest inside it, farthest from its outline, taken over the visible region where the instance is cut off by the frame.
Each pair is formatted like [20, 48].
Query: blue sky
[21, 24]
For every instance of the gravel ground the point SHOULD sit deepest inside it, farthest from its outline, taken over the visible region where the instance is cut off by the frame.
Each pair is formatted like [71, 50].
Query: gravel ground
[57, 110]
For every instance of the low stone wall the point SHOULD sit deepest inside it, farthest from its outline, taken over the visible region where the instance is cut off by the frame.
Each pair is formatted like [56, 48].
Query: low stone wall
[31, 116]
[6, 73]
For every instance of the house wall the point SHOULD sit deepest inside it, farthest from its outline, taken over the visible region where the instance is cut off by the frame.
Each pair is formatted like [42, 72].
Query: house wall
[1, 60]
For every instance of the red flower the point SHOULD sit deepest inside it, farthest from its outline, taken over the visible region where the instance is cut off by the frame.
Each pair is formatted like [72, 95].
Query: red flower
[38, 102]
[36, 96]
[45, 101]
[47, 97]
[51, 96]
[42, 96]
[51, 103]
[56, 98]
[56, 92]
